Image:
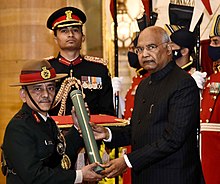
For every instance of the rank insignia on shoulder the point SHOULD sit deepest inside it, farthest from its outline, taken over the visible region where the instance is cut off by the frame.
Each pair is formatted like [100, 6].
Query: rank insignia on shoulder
[96, 60]
[214, 88]
[49, 58]
[90, 82]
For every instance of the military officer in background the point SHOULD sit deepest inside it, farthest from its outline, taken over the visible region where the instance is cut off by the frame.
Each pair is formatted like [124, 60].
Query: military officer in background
[93, 73]
[183, 43]
[210, 111]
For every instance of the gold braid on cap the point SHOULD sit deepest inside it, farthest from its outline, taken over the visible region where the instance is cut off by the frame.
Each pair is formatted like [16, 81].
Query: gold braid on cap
[63, 92]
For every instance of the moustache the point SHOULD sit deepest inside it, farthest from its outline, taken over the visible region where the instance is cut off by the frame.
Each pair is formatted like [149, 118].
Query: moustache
[45, 101]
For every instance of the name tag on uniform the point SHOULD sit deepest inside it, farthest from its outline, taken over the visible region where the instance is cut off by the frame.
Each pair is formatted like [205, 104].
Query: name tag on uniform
[214, 88]
[48, 142]
[90, 82]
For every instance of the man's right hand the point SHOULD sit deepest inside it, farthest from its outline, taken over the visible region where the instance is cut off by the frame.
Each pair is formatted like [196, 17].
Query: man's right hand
[89, 174]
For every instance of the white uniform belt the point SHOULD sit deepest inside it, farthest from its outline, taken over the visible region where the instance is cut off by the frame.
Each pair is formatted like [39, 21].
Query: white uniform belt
[214, 127]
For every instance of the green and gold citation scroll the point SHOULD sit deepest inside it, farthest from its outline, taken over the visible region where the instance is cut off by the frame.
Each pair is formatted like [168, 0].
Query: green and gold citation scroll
[87, 133]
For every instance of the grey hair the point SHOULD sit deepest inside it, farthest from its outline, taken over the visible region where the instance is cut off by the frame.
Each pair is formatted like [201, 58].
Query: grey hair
[165, 37]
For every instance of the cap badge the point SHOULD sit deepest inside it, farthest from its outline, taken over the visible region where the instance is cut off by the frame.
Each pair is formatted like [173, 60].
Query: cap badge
[45, 73]
[68, 14]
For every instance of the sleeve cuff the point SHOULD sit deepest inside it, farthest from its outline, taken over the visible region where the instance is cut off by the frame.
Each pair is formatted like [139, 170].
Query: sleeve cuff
[127, 161]
[79, 176]
[110, 135]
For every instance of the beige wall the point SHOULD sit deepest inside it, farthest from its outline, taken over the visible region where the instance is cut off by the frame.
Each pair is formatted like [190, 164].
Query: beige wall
[24, 37]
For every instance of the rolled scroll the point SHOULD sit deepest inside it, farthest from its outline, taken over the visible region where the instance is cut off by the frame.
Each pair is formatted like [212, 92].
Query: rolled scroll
[87, 133]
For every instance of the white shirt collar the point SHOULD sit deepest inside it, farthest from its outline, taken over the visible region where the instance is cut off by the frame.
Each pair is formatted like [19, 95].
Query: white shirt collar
[44, 117]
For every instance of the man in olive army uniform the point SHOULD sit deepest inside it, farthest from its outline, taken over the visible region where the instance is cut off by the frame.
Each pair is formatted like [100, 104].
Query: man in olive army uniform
[92, 71]
[34, 148]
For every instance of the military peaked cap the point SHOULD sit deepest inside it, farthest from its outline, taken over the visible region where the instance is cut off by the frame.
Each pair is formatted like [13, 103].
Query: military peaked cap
[67, 16]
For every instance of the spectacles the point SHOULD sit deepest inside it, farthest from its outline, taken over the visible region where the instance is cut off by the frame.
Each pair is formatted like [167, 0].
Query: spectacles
[151, 47]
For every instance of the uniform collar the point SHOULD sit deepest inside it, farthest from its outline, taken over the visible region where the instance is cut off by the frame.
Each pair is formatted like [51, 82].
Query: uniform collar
[67, 62]
[37, 116]
[44, 117]
[187, 66]
[141, 71]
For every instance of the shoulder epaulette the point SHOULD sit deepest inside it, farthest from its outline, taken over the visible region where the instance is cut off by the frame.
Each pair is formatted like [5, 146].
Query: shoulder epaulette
[20, 115]
[49, 58]
[96, 60]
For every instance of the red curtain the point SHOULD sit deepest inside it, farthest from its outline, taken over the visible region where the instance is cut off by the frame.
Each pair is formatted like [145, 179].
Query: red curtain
[207, 6]
[112, 8]
[146, 4]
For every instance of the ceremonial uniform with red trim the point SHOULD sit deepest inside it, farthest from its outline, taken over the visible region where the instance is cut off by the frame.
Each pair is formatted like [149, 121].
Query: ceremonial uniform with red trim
[210, 129]
[96, 82]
